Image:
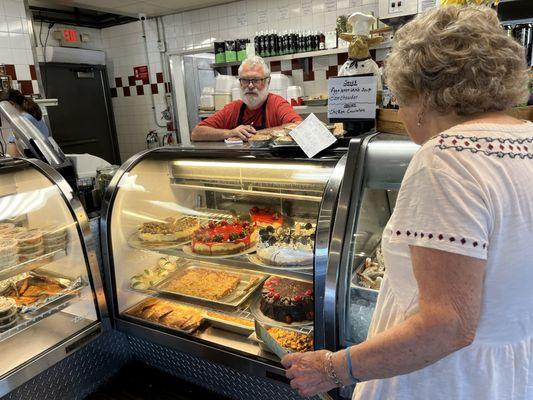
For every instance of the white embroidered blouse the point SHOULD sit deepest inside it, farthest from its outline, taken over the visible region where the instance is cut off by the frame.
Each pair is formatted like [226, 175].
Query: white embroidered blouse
[468, 191]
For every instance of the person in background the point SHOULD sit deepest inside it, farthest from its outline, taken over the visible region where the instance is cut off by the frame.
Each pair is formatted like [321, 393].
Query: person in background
[454, 316]
[257, 110]
[29, 109]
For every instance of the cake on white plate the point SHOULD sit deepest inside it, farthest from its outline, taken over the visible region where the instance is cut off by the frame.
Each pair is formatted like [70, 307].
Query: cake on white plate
[287, 246]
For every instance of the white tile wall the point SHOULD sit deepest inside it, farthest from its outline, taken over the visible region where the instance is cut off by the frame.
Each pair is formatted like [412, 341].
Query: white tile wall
[124, 48]
[15, 44]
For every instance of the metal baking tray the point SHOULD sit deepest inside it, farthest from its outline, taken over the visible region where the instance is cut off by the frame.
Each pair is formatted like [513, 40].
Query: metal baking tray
[157, 323]
[250, 281]
[261, 332]
[231, 325]
[70, 287]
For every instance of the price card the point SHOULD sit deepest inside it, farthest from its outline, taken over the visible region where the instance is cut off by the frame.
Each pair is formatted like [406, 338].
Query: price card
[312, 136]
[352, 98]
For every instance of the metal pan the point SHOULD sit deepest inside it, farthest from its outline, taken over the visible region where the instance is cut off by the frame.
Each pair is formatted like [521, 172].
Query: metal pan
[70, 287]
[129, 313]
[249, 282]
[232, 326]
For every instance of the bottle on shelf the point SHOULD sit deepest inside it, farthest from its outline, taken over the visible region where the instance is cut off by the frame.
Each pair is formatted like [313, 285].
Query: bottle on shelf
[260, 50]
[322, 42]
[274, 44]
[256, 44]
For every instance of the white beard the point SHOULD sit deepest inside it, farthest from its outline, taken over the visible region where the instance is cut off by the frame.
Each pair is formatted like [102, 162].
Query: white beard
[254, 98]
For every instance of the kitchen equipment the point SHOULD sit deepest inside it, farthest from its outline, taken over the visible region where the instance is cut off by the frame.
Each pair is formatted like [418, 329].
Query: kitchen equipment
[221, 99]
[279, 84]
[207, 102]
[208, 90]
[168, 139]
[152, 140]
[224, 83]
[103, 178]
[294, 95]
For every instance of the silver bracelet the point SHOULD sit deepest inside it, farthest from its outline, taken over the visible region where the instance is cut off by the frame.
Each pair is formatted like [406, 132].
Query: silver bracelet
[330, 370]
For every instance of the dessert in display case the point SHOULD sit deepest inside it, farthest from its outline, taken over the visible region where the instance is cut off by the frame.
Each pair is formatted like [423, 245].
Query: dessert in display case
[51, 299]
[202, 244]
[234, 256]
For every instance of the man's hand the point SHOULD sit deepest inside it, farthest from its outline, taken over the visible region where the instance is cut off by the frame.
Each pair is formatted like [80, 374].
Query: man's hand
[242, 132]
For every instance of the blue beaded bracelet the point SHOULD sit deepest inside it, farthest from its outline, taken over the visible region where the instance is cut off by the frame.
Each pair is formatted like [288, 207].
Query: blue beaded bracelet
[349, 366]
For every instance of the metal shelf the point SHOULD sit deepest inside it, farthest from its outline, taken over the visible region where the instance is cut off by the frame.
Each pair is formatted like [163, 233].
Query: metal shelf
[29, 265]
[247, 192]
[295, 56]
[26, 321]
[241, 261]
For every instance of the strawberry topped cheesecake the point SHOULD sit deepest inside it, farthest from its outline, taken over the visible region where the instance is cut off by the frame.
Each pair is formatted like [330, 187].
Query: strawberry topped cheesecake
[266, 217]
[223, 238]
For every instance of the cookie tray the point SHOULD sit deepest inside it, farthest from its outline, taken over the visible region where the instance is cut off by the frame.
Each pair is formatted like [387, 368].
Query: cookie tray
[249, 282]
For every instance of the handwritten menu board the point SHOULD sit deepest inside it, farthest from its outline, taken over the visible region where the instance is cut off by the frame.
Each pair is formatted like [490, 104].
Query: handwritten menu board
[352, 98]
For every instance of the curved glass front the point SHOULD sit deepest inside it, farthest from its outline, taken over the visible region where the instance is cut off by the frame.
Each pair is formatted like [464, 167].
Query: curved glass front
[208, 246]
[45, 290]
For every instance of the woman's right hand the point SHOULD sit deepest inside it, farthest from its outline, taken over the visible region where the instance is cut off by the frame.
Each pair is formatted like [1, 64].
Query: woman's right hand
[242, 132]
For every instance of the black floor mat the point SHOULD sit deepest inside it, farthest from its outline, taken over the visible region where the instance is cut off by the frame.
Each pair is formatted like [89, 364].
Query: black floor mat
[140, 382]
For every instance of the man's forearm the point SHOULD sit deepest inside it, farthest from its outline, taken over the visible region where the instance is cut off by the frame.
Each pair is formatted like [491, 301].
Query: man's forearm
[207, 133]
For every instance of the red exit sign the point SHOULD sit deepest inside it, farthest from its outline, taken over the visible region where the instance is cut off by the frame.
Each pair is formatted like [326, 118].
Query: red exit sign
[70, 35]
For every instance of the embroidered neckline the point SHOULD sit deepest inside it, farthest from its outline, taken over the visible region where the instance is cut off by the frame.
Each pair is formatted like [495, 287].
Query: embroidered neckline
[489, 146]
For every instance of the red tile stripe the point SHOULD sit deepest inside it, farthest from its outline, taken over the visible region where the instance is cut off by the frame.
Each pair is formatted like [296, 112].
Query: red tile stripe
[25, 85]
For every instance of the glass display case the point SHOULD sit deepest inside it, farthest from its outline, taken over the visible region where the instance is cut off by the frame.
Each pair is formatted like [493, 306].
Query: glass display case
[238, 255]
[381, 165]
[204, 242]
[51, 298]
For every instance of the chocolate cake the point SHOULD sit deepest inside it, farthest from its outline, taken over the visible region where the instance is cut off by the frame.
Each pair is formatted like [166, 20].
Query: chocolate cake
[287, 300]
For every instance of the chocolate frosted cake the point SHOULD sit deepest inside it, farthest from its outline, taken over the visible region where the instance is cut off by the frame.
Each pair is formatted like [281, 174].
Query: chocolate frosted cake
[287, 300]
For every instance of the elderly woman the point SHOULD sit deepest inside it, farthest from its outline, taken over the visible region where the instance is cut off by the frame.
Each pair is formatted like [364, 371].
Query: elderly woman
[454, 318]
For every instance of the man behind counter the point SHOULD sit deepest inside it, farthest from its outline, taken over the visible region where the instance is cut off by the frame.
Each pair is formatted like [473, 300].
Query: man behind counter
[257, 110]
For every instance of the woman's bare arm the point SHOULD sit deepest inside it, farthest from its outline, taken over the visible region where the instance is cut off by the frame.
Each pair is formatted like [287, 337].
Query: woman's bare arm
[451, 288]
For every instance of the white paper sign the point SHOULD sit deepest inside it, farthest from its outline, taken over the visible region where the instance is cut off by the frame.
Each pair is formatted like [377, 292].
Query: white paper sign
[352, 97]
[312, 136]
